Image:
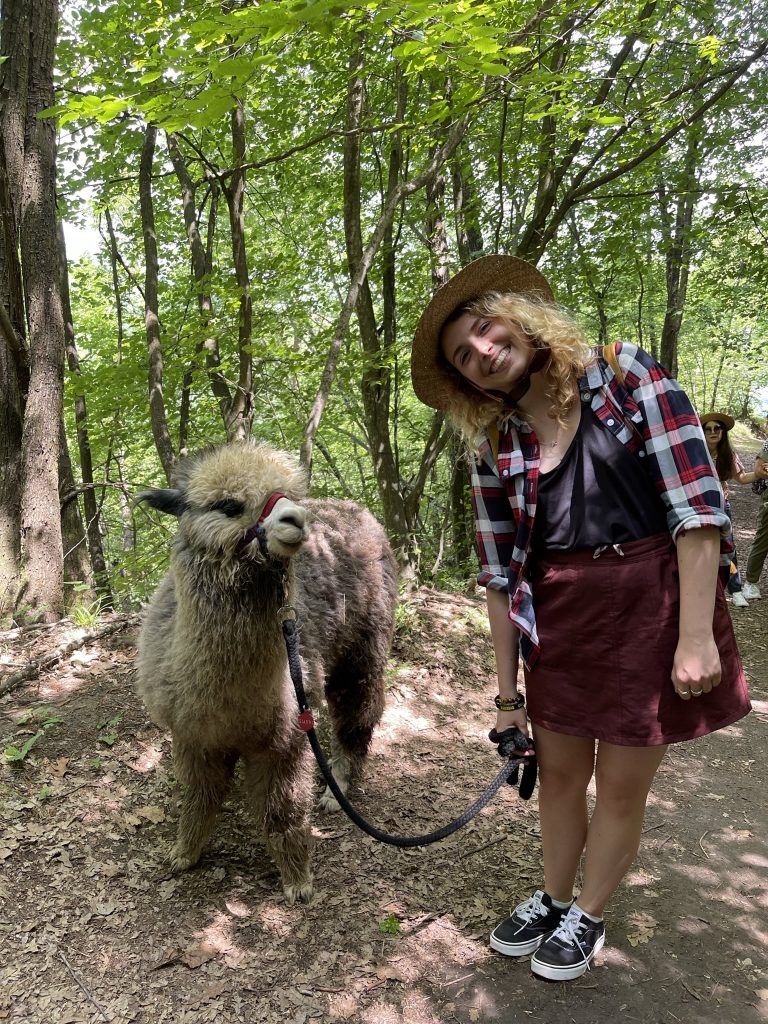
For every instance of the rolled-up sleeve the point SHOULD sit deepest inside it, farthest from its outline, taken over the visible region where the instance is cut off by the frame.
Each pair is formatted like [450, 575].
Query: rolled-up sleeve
[677, 454]
[494, 524]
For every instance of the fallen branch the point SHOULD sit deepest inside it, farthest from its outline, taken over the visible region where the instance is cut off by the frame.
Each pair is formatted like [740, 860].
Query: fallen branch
[46, 661]
[82, 986]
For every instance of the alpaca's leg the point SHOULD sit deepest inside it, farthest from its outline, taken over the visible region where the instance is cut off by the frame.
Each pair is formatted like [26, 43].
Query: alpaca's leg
[355, 697]
[206, 776]
[281, 790]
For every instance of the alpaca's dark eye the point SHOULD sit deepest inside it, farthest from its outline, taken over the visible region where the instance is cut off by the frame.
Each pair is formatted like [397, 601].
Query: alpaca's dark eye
[229, 506]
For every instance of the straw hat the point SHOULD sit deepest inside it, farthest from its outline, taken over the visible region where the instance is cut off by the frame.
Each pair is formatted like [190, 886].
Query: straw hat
[719, 417]
[488, 274]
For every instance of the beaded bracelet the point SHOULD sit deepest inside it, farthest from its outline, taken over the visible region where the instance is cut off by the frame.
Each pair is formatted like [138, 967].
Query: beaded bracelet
[509, 703]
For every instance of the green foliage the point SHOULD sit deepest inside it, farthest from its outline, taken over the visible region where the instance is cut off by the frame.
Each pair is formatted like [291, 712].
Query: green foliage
[390, 925]
[14, 755]
[109, 735]
[542, 107]
[86, 616]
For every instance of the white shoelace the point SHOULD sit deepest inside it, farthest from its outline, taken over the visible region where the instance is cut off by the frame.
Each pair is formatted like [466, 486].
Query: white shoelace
[568, 931]
[531, 909]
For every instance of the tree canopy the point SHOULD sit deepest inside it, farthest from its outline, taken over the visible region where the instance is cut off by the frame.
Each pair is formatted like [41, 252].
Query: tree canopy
[279, 186]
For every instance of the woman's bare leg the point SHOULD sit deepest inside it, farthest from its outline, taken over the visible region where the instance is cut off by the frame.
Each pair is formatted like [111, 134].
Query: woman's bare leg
[623, 777]
[566, 764]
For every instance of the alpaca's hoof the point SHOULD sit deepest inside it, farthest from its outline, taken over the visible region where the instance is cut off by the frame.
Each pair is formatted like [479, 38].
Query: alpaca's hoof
[328, 802]
[180, 859]
[302, 893]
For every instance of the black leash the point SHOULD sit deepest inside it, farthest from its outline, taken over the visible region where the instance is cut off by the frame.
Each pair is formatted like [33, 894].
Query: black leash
[511, 744]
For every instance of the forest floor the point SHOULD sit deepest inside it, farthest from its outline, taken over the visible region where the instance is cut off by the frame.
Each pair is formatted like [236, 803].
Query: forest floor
[93, 927]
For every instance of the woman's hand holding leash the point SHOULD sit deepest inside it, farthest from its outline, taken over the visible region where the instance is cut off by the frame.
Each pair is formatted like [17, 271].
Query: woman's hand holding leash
[513, 741]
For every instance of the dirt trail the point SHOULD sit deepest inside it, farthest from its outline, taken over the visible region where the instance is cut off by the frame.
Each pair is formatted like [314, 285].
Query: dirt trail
[93, 928]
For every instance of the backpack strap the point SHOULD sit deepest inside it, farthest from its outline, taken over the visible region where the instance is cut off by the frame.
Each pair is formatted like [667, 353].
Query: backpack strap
[609, 355]
[493, 437]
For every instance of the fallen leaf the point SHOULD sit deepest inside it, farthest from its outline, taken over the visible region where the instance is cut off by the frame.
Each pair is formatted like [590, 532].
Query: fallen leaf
[105, 908]
[646, 927]
[195, 956]
[152, 813]
[59, 767]
[387, 973]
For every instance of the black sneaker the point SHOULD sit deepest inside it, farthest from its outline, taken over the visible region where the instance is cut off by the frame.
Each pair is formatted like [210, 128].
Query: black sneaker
[568, 951]
[529, 925]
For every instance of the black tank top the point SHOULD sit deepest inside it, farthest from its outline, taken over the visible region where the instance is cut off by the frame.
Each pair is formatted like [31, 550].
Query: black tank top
[599, 494]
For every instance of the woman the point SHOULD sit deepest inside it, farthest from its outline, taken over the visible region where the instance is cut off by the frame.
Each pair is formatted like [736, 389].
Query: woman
[598, 525]
[729, 467]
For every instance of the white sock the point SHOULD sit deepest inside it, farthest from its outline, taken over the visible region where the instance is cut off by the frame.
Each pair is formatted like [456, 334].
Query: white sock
[559, 905]
[590, 917]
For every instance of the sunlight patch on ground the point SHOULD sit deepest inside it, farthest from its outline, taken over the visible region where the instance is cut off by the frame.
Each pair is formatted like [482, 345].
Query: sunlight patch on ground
[276, 919]
[62, 684]
[400, 717]
[149, 757]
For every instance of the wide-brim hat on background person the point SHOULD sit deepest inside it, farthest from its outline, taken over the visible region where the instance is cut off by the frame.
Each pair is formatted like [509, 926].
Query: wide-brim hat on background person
[718, 417]
[431, 382]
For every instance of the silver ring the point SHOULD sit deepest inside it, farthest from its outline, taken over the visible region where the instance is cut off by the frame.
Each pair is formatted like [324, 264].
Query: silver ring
[696, 693]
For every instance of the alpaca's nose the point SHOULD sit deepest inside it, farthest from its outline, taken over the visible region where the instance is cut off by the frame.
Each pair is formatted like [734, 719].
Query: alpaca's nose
[286, 527]
[293, 517]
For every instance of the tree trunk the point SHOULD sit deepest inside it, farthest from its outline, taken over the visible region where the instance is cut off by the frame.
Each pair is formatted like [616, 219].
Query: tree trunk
[391, 204]
[677, 237]
[469, 241]
[92, 517]
[376, 378]
[157, 412]
[14, 357]
[77, 568]
[240, 410]
[41, 546]
[201, 254]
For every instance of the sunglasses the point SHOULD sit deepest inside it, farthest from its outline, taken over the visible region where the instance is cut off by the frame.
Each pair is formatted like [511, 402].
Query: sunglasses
[713, 430]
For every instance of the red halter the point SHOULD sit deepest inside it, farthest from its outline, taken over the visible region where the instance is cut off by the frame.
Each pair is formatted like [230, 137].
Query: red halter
[254, 531]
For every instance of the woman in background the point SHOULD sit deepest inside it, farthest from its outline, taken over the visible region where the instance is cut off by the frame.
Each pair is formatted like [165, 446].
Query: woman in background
[729, 467]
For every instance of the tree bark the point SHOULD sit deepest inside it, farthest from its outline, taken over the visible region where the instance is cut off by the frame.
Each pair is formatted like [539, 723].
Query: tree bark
[14, 357]
[375, 382]
[240, 409]
[677, 237]
[77, 567]
[42, 590]
[157, 411]
[391, 204]
[201, 258]
[469, 241]
[98, 564]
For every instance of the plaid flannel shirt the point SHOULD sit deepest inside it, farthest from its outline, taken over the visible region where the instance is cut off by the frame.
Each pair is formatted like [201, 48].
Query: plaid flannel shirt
[652, 416]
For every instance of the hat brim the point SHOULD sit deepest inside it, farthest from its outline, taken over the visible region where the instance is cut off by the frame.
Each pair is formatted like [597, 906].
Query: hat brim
[495, 273]
[718, 417]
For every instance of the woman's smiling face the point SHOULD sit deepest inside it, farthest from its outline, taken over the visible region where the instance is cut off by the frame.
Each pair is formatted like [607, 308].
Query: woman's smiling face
[486, 352]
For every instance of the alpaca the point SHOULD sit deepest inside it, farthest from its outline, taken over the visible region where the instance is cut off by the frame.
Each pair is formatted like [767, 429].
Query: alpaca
[212, 664]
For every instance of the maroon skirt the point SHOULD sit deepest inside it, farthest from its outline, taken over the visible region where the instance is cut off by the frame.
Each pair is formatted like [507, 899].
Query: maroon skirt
[608, 630]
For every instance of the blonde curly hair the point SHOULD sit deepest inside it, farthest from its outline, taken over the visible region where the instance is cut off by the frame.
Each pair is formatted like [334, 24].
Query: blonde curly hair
[545, 324]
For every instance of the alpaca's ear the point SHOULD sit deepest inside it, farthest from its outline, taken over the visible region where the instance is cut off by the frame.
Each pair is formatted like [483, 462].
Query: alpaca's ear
[165, 499]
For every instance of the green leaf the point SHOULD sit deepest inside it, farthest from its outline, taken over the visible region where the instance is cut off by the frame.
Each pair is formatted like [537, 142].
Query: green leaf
[15, 755]
[390, 925]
